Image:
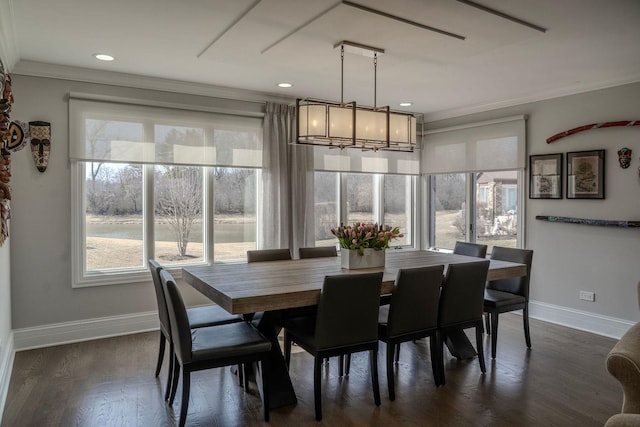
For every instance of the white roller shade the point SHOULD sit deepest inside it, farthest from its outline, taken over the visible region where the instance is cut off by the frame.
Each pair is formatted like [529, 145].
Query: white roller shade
[353, 160]
[493, 145]
[103, 131]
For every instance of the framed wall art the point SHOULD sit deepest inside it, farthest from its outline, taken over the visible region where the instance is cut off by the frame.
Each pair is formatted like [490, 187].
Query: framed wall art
[545, 176]
[585, 174]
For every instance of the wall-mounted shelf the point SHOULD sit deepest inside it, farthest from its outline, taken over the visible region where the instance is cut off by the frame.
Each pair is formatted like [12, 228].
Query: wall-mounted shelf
[587, 221]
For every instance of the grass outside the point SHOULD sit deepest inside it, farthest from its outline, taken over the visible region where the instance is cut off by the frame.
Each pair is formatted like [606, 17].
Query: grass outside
[106, 252]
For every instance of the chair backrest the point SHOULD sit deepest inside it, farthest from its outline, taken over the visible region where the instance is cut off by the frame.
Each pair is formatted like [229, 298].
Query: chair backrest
[319, 252]
[514, 285]
[180, 330]
[348, 310]
[262, 255]
[415, 299]
[161, 299]
[470, 249]
[462, 296]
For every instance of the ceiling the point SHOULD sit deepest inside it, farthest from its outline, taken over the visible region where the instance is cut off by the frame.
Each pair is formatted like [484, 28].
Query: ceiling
[588, 44]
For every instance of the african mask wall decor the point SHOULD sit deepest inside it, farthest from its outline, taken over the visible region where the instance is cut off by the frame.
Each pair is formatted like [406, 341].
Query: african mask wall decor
[40, 143]
[624, 157]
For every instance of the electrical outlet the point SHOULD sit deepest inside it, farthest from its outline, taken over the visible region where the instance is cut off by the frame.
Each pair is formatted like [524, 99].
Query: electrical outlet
[587, 296]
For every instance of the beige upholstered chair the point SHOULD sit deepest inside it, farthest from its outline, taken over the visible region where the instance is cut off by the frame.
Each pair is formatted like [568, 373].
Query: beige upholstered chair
[623, 362]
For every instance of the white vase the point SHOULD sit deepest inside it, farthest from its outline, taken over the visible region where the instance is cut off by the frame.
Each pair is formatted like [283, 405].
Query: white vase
[371, 258]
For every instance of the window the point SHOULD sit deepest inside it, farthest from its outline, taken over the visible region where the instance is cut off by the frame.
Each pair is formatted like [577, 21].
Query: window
[448, 211]
[363, 197]
[179, 186]
[475, 174]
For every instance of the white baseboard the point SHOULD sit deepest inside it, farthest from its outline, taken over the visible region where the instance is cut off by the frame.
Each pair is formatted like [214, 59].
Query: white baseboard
[578, 319]
[69, 332]
[6, 363]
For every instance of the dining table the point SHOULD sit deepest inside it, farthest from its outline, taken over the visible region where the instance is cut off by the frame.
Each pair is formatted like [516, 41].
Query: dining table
[274, 289]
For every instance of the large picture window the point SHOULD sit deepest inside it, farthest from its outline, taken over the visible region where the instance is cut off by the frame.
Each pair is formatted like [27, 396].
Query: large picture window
[364, 197]
[174, 185]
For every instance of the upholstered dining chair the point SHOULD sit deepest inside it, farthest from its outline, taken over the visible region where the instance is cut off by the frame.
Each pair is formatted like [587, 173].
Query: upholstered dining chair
[346, 322]
[262, 255]
[211, 347]
[265, 255]
[412, 314]
[198, 317]
[318, 252]
[470, 249]
[461, 303]
[506, 295]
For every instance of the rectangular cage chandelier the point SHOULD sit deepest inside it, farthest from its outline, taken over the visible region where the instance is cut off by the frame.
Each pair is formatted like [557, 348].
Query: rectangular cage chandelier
[349, 125]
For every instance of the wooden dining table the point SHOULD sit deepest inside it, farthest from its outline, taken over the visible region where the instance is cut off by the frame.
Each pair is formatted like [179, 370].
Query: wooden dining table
[274, 288]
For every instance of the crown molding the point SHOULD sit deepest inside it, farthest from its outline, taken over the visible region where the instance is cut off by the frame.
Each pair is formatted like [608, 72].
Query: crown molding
[575, 89]
[88, 75]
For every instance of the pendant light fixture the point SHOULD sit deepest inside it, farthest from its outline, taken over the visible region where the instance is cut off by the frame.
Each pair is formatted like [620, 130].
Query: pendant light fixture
[348, 125]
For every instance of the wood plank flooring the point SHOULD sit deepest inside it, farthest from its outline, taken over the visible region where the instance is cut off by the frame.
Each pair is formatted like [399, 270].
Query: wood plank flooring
[561, 381]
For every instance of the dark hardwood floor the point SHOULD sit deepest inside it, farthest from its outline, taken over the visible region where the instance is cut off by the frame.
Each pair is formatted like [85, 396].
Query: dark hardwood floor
[561, 381]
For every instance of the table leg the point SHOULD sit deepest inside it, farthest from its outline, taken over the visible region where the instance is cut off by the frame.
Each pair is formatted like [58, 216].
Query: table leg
[281, 391]
[459, 345]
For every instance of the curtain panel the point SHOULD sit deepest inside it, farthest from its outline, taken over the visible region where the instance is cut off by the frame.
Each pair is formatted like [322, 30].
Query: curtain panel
[288, 184]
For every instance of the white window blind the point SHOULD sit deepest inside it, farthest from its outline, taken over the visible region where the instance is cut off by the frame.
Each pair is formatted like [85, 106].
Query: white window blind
[353, 160]
[492, 145]
[105, 131]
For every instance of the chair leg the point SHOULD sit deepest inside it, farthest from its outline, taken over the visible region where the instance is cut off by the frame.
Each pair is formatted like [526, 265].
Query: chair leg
[525, 320]
[184, 405]
[317, 390]
[160, 353]
[434, 341]
[480, 346]
[264, 368]
[341, 365]
[245, 377]
[176, 378]
[390, 380]
[494, 336]
[373, 359]
[487, 324]
[397, 352]
[347, 364]
[287, 349]
[170, 374]
[441, 340]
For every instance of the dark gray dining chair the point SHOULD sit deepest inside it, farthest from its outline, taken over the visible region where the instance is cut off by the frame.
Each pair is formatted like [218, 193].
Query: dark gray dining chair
[262, 255]
[346, 322]
[211, 347]
[470, 249]
[318, 252]
[198, 317]
[505, 295]
[411, 315]
[461, 305]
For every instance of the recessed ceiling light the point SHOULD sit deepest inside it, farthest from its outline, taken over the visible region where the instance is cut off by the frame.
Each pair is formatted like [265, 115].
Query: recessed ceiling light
[406, 104]
[285, 85]
[103, 57]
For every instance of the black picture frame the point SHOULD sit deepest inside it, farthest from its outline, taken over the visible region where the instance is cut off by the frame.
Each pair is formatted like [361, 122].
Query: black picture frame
[585, 174]
[545, 176]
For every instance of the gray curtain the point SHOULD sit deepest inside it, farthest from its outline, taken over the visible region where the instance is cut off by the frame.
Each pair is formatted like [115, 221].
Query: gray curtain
[287, 177]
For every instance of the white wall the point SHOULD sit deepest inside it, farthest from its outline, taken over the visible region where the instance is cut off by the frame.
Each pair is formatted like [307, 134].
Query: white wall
[568, 257]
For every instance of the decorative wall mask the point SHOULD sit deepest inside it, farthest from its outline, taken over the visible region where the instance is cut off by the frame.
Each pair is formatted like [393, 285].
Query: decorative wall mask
[40, 143]
[624, 157]
[18, 136]
[7, 134]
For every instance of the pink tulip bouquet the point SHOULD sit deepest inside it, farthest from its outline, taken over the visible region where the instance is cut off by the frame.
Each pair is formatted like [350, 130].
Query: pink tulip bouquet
[362, 236]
